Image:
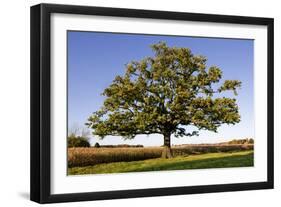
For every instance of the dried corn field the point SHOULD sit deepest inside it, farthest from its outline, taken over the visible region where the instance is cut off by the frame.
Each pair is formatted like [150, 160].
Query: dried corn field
[79, 157]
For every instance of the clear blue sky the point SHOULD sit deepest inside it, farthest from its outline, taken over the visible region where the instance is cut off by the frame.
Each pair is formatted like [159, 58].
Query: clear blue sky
[94, 59]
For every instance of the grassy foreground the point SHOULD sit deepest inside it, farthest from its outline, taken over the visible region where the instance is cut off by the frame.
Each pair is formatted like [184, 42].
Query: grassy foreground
[209, 160]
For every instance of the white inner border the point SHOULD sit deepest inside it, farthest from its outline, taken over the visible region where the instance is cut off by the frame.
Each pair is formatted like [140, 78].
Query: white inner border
[61, 183]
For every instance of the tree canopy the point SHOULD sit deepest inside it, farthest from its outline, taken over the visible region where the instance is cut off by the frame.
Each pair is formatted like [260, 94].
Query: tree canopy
[163, 94]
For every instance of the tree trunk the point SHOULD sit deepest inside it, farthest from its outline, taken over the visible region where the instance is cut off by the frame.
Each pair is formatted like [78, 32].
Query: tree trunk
[167, 152]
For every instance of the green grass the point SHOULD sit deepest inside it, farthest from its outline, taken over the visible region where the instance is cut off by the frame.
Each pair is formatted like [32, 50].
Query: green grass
[209, 160]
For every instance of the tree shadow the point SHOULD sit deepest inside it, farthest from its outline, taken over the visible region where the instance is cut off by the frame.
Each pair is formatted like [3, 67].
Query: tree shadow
[221, 162]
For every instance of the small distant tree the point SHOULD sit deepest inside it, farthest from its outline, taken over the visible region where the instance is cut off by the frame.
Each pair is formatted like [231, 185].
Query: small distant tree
[97, 145]
[164, 93]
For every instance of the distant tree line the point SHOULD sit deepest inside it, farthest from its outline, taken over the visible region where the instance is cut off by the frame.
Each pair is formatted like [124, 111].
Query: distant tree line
[242, 141]
[97, 145]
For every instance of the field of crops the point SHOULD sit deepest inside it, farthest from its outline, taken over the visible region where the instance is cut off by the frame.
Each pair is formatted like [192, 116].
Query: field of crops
[81, 157]
[201, 161]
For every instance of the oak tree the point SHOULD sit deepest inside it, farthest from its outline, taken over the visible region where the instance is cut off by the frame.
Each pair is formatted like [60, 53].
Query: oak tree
[163, 94]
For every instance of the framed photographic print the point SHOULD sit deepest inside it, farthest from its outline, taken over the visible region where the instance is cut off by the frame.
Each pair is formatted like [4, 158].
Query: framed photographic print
[132, 103]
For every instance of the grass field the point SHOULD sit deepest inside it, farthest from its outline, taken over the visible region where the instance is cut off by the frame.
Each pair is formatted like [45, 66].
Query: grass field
[200, 161]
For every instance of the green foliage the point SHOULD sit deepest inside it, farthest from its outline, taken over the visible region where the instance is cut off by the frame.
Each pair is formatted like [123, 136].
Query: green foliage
[164, 93]
[73, 141]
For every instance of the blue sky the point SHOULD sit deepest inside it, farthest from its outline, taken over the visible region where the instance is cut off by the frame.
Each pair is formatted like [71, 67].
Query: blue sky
[95, 58]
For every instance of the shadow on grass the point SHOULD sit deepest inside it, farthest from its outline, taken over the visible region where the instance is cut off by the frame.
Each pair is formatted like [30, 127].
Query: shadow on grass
[222, 162]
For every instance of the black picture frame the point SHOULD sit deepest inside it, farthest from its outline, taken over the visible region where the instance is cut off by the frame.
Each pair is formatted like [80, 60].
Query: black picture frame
[41, 96]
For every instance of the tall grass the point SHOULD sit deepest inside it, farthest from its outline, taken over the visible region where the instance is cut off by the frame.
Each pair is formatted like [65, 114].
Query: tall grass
[79, 157]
